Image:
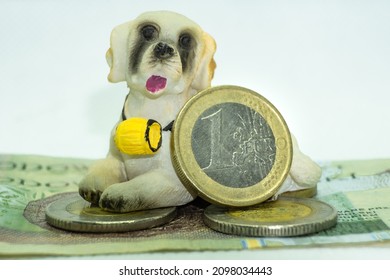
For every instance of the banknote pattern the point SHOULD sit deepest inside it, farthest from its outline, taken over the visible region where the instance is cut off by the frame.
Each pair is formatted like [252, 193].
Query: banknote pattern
[359, 190]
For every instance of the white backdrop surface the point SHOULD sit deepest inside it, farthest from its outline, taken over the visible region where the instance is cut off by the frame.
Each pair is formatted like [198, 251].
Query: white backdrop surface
[324, 64]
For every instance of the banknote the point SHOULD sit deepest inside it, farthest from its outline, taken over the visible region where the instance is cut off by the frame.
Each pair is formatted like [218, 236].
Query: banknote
[359, 190]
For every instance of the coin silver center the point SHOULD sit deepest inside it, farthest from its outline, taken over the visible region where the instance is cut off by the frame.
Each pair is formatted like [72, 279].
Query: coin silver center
[233, 145]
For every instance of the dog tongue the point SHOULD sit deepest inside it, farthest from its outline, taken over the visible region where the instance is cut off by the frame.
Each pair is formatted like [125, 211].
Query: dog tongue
[155, 83]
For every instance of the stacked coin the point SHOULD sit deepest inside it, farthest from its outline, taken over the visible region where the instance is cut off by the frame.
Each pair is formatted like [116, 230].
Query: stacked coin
[282, 217]
[73, 213]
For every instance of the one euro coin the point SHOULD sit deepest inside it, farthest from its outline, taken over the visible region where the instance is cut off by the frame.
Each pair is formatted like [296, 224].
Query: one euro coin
[231, 146]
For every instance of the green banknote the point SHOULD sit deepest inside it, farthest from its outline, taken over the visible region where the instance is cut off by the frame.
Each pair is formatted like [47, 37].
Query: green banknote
[359, 190]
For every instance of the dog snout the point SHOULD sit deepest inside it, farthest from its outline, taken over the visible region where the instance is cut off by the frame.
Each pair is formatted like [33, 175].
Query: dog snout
[163, 51]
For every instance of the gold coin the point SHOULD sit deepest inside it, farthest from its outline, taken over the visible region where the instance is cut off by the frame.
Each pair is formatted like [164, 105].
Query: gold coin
[231, 146]
[73, 213]
[284, 217]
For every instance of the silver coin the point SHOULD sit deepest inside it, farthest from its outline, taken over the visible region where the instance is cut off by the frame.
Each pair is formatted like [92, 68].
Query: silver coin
[231, 138]
[73, 213]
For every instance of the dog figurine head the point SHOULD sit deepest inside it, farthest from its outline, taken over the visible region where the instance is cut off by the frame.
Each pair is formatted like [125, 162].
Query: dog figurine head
[161, 53]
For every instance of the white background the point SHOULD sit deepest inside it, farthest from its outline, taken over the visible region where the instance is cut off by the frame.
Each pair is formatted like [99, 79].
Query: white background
[324, 64]
[106, 269]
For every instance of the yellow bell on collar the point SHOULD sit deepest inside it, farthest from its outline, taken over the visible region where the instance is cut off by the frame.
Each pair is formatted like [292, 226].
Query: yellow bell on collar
[138, 136]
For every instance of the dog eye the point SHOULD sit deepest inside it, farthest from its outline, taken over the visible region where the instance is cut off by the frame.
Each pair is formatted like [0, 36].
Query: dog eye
[149, 32]
[185, 41]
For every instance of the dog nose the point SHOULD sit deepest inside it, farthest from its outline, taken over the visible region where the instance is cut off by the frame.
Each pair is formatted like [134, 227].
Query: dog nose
[163, 50]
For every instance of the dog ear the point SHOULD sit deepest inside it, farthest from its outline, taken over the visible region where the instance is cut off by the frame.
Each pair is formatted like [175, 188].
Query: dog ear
[116, 56]
[205, 71]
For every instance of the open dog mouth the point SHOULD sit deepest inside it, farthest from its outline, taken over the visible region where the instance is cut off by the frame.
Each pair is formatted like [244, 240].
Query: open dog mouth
[155, 83]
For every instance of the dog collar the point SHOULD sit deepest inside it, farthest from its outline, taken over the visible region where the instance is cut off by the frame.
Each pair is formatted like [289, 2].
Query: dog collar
[168, 127]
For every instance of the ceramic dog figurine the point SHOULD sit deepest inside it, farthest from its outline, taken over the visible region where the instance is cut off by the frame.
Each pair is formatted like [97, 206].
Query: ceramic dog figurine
[165, 58]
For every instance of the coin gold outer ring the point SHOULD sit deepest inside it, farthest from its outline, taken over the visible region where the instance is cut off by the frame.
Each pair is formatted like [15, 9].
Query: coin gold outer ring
[195, 179]
[284, 217]
[193, 176]
[73, 213]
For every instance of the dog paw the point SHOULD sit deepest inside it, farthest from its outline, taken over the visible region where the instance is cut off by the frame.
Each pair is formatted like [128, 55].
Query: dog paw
[121, 203]
[305, 172]
[92, 196]
[113, 204]
[89, 190]
[100, 176]
[154, 189]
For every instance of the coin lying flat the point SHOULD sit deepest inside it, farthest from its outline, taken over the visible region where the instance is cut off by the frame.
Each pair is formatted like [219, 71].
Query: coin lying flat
[283, 217]
[231, 146]
[75, 214]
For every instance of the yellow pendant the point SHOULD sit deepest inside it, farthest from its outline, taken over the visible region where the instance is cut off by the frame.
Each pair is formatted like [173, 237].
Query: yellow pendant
[138, 136]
